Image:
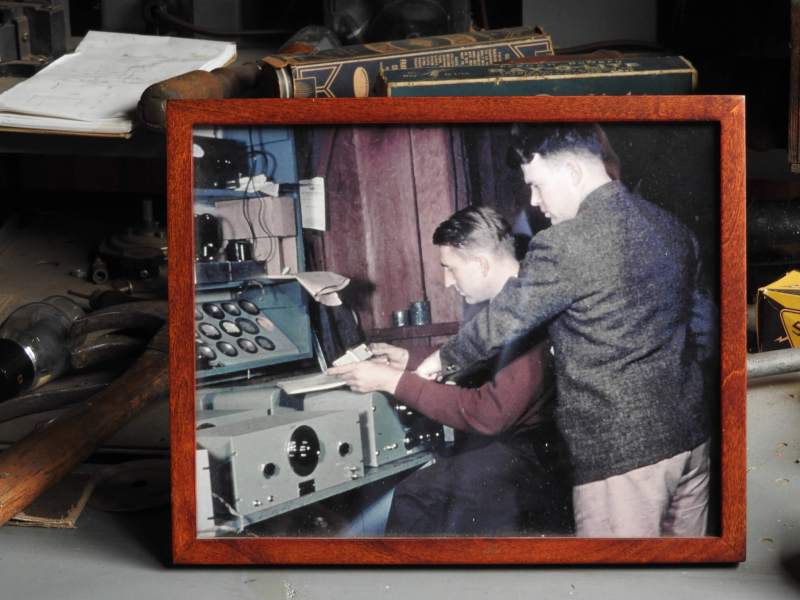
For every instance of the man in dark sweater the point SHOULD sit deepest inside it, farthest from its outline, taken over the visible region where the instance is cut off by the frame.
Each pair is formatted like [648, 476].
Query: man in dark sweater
[617, 282]
[510, 474]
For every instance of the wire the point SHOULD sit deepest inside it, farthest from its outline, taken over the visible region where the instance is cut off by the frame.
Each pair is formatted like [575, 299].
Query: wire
[246, 215]
[259, 216]
[267, 157]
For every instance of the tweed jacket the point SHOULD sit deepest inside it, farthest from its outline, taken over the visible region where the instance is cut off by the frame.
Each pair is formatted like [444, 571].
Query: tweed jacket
[619, 288]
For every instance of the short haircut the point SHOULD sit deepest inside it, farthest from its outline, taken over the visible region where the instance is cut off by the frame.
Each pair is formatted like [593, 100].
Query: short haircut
[476, 228]
[580, 139]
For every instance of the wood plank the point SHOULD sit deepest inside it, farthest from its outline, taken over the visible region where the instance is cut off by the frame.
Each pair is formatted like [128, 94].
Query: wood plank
[412, 331]
[384, 166]
[434, 183]
[344, 250]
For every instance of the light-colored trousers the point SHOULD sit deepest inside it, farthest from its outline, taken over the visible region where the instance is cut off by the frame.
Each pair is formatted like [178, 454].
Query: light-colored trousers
[668, 498]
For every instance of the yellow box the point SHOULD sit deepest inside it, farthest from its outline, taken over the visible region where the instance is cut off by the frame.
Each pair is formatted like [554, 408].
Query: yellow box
[778, 310]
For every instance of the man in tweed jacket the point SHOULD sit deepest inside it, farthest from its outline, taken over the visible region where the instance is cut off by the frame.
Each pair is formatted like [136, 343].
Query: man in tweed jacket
[616, 280]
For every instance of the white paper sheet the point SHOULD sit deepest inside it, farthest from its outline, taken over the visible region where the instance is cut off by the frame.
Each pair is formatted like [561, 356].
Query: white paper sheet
[304, 384]
[97, 87]
[312, 203]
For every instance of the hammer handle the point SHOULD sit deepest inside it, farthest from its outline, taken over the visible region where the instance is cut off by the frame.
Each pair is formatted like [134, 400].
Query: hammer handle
[224, 82]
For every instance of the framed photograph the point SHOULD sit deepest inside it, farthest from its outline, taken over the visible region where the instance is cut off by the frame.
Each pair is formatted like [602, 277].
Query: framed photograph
[457, 330]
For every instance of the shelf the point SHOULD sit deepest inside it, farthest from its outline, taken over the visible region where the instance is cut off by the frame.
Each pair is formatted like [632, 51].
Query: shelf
[143, 144]
[412, 331]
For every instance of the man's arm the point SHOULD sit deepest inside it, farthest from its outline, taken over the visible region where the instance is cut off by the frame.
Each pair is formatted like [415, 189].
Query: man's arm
[541, 291]
[704, 319]
[405, 358]
[489, 409]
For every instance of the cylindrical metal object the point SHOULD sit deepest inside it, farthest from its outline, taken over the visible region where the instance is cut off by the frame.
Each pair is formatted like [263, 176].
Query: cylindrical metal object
[400, 318]
[208, 236]
[419, 313]
[239, 250]
[99, 271]
[35, 344]
[774, 362]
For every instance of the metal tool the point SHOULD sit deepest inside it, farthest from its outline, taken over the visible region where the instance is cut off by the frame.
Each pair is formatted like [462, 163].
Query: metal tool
[35, 344]
[32, 33]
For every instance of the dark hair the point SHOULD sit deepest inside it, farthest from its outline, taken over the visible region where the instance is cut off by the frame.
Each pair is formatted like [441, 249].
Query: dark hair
[548, 141]
[475, 227]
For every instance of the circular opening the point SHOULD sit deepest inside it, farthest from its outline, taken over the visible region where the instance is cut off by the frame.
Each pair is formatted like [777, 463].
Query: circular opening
[247, 346]
[247, 325]
[212, 310]
[304, 450]
[249, 307]
[227, 349]
[208, 330]
[230, 328]
[265, 343]
[205, 351]
[344, 449]
[231, 309]
[270, 469]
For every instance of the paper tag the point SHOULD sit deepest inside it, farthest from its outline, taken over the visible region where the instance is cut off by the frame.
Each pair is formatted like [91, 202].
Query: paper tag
[312, 203]
[449, 434]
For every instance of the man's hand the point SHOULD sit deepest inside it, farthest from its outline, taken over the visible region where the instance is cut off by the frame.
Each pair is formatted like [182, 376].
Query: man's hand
[368, 376]
[394, 356]
[431, 367]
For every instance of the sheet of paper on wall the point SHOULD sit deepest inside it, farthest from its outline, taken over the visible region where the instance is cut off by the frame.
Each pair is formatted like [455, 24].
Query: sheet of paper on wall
[312, 203]
[94, 90]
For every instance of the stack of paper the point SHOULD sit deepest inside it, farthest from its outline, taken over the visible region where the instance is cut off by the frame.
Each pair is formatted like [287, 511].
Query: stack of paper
[94, 90]
[305, 384]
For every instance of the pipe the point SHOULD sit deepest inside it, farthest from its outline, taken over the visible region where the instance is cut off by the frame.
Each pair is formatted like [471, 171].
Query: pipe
[774, 362]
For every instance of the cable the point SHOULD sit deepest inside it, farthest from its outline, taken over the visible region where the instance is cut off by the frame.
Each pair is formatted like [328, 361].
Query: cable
[246, 215]
[158, 12]
[267, 157]
[259, 216]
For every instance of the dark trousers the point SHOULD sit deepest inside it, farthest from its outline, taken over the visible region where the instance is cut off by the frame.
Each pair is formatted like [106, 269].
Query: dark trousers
[512, 485]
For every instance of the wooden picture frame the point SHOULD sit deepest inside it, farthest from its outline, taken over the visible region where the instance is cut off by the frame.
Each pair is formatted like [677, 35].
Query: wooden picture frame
[723, 116]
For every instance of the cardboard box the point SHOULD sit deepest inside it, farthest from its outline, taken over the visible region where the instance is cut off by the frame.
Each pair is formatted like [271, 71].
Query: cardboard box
[609, 76]
[352, 71]
[778, 310]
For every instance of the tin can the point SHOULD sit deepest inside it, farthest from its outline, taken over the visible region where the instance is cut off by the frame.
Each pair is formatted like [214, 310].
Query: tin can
[419, 313]
[400, 318]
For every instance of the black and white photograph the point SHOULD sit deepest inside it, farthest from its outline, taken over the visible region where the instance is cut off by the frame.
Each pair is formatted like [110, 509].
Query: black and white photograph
[457, 330]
